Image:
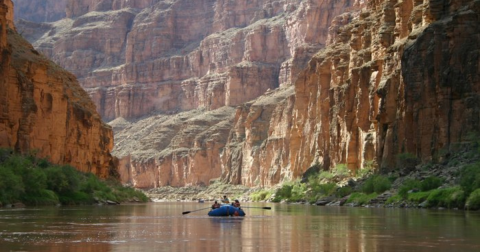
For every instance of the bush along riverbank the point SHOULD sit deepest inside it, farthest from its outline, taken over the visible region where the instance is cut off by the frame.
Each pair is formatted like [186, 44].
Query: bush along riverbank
[452, 182]
[27, 180]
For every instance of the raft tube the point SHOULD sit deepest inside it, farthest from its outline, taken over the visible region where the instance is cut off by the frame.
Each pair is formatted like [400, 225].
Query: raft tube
[226, 210]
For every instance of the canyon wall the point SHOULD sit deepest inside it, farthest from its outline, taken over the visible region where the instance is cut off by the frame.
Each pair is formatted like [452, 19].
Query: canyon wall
[139, 57]
[40, 10]
[394, 78]
[400, 77]
[256, 92]
[43, 109]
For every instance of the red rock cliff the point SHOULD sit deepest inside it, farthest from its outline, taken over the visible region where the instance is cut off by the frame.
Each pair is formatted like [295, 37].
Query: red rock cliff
[40, 10]
[44, 109]
[398, 77]
[137, 57]
[395, 77]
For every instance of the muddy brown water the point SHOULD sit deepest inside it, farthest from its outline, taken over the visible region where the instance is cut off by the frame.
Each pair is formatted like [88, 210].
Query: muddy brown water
[162, 227]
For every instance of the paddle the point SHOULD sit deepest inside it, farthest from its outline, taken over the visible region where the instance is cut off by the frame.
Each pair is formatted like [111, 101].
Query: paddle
[187, 212]
[267, 208]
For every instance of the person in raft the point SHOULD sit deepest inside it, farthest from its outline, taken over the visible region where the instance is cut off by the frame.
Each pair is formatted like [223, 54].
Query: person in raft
[225, 200]
[236, 204]
[215, 205]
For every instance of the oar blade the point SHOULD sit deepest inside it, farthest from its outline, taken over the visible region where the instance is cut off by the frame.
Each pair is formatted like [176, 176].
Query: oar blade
[267, 208]
[187, 212]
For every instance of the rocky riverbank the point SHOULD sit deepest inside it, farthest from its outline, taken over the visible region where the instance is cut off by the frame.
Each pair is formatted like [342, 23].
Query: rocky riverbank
[215, 191]
[437, 184]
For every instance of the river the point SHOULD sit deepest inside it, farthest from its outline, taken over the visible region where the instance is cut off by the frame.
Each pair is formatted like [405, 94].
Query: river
[162, 227]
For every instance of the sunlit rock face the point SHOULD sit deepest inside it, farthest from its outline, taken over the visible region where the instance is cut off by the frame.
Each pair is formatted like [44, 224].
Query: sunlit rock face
[40, 10]
[43, 109]
[136, 58]
[394, 78]
[397, 77]
[303, 82]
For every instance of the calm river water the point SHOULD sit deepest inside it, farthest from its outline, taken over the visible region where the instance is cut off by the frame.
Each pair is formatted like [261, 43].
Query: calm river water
[162, 227]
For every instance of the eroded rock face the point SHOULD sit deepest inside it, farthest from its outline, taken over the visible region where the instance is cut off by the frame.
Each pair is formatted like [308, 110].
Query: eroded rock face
[391, 80]
[179, 55]
[40, 10]
[139, 57]
[43, 109]
[395, 77]
[175, 150]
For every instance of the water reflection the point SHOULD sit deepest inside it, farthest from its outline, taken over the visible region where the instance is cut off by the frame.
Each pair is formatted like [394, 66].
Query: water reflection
[162, 227]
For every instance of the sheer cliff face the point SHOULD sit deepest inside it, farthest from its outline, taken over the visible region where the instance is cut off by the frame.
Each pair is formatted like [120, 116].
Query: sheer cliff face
[44, 110]
[139, 57]
[393, 77]
[398, 77]
[40, 10]
[136, 57]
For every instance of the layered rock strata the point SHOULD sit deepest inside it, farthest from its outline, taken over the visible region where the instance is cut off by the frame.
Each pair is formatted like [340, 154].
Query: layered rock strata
[175, 150]
[395, 77]
[40, 10]
[138, 57]
[43, 109]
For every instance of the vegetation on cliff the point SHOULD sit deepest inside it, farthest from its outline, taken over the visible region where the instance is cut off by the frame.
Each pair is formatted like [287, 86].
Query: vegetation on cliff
[452, 181]
[35, 181]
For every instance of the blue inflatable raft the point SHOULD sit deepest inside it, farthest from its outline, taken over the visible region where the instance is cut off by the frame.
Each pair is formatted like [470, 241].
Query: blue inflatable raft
[226, 210]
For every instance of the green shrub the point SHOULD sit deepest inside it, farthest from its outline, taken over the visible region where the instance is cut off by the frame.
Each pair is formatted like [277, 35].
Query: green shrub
[261, 195]
[41, 198]
[327, 189]
[128, 194]
[319, 191]
[298, 192]
[408, 184]
[377, 184]
[325, 175]
[76, 198]
[103, 196]
[361, 198]
[73, 177]
[43, 163]
[394, 199]
[431, 183]
[37, 182]
[344, 191]
[470, 178]
[369, 185]
[406, 162]
[314, 182]
[11, 185]
[342, 171]
[17, 164]
[56, 180]
[453, 197]
[92, 183]
[418, 197]
[473, 201]
[284, 192]
[364, 172]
